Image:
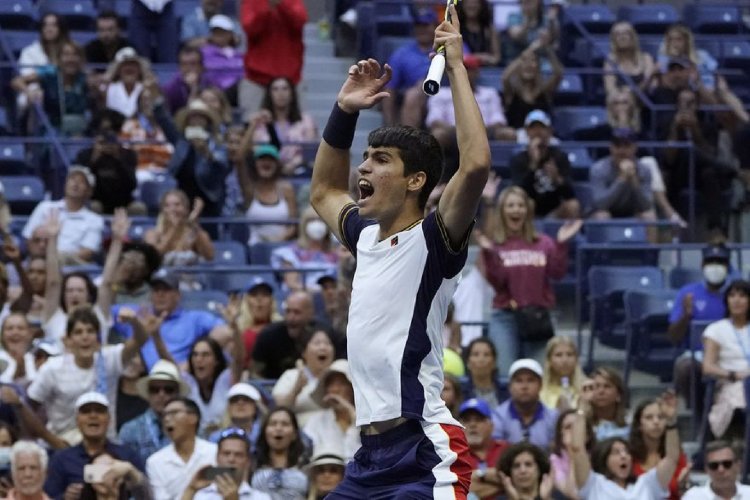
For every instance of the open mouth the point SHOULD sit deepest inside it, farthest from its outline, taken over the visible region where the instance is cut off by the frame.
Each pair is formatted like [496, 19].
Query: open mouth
[365, 189]
[323, 357]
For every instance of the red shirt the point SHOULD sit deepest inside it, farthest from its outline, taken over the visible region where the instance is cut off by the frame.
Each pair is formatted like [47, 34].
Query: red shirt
[674, 489]
[492, 454]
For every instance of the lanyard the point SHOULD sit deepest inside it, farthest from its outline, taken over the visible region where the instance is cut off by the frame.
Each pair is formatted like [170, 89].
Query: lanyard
[741, 343]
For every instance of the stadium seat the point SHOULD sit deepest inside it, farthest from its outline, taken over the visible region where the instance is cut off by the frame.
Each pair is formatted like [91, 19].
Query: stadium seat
[18, 40]
[204, 300]
[22, 193]
[681, 276]
[152, 191]
[13, 159]
[229, 253]
[122, 9]
[393, 18]
[573, 122]
[138, 229]
[584, 195]
[164, 72]
[588, 53]
[713, 19]
[82, 37]
[736, 54]
[260, 253]
[5, 127]
[238, 281]
[18, 14]
[79, 14]
[570, 91]
[649, 17]
[580, 162]
[616, 232]
[595, 18]
[500, 155]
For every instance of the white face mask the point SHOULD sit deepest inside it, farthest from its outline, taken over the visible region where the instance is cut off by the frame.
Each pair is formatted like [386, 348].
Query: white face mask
[192, 133]
[715, 274]
[316, 230]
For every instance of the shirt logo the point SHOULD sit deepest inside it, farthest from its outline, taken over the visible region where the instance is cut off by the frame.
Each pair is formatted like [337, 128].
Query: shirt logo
[394, 241]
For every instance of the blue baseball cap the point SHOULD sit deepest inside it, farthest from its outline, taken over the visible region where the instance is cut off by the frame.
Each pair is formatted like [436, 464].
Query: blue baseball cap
[716, 253]
[478, 405]
[425, 16]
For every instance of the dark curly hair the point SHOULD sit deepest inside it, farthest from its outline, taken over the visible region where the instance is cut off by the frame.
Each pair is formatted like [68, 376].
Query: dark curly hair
[505, 464]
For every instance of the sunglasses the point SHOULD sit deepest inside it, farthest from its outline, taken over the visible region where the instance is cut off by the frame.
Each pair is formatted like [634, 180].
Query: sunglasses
[166, 389]
[726, 464]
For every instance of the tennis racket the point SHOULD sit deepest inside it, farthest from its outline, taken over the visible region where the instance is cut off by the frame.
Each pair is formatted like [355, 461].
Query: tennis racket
[431, 84]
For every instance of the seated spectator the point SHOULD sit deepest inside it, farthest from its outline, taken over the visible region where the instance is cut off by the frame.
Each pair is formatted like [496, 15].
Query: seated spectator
[188, 82]
[194, 26]
[16, 356]
[699, 301]
[146, 433]
[280, 456]
[484, 451]
[410, 63]
[245, 410]
[138, 262]
[171, 469]
[607, 405]
[333, 427]
[112, 164]
[80, 231]
[296, 385]
[647, 440]
[325, 471]
[222, 61]
[28, 470]
[560, 460]
[724, 358]
[286, 124]
[314, 248]
[482, 372]
[108, 41]
[529, 25]
[561, 384]
[153, 23]
[525, 472]
[216, 100]
[525, 88]
[623, 111]
[723, 467]
[92, 416]
[233, 452]
[452, 394]
[628, 58]
[125, 77]
[621, 183]
[178, 237]
[123, 480]
[265, 194]
[257, 310]
[543, 171]
[478, 32]
[524, 417]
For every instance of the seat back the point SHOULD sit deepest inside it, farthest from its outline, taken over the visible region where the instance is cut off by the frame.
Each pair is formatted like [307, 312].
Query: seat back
[22, 193]
[604, 280]
[650, 17]
[229, 253]
[204, 300]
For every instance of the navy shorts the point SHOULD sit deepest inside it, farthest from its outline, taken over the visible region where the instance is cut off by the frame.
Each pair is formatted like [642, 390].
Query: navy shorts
[414, 461]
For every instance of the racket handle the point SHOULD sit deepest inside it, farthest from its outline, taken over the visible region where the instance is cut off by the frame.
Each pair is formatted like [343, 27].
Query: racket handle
[431, 84]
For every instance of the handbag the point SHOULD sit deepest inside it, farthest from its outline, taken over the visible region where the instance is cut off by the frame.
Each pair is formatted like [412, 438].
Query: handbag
[534, 323]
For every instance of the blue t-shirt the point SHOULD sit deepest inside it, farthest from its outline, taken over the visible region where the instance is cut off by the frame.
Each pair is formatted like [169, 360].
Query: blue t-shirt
[410, 65]
[707, 305]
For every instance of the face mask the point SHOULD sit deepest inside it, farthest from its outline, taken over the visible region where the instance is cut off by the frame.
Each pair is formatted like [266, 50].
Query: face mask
[715, 274]
[316, 230]
[192, 133]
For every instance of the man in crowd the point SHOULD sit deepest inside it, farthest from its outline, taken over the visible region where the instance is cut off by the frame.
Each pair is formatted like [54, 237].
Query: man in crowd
[194, 27]
[524, 417]
[188, 82]
[723, 467]
[102, 49]
[484, 451]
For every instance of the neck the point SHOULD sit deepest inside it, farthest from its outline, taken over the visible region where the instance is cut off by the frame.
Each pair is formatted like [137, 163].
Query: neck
[728, 492]
[526, 410]
[315, 245]
[281, 113]
[206, 388]
[72, 204]
[185, 447]
[482, 380]
[739, 320]
[127, 386]
[20, 496]
[317, 371]
[243, 423]
[278, 459]
[652, 445]
[94, 446]
[83, 362]
[608, 413]
[406, 218]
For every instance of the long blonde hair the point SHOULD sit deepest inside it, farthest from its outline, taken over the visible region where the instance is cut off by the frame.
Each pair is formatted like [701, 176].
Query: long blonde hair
[635, 52]
[528, 231]
[550, 379]
[245, 320]
[161, 221]
[691, 52]
[634, 122]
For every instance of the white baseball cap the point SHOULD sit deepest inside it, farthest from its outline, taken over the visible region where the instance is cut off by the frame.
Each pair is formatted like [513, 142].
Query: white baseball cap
[92, 397]
[221, 22]
[526, 364]
[244, 389]
[86, 173]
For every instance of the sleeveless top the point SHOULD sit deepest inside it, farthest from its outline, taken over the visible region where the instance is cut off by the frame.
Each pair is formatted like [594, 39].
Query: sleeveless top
[517, 109]
[260, 211]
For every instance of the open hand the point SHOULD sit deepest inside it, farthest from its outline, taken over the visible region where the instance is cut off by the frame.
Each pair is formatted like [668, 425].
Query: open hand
[52, 225]
[568, 230]
[227, 486]
[668, 404]
[126, 315]
[150, 322]
[120, 224]
[490, 189]
[365, 86]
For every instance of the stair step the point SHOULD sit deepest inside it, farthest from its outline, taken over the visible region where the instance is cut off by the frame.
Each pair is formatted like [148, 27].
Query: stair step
[318, 48]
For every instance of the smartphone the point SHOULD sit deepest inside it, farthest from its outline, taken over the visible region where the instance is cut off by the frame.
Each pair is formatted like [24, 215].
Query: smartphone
[94, 473]
[210, 473]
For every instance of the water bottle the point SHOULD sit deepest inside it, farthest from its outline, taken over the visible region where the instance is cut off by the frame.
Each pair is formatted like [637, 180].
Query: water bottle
[567, 392]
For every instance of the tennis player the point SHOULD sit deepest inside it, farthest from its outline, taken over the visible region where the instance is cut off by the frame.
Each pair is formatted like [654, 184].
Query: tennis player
[408, 266]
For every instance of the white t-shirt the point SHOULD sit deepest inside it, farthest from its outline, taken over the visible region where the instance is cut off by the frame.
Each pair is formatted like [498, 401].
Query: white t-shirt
[55, 327]
[646, 487]
[212, 412]
[440, 107]
[304, 405]
[324, 431]
[60, 381]
[706, 493]
[6, 377]
[244, 493]
[80, 229]
[731, 353]
[169, 475]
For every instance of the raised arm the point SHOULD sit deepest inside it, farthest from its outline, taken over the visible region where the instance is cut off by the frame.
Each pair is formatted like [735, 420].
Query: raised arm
[13, 254]
[53, 286]
[460, 200]
[550, 84]
[231, 313]
[140, 334]
[577, 451]
[329, 189]
[668, 464]
[105, 294]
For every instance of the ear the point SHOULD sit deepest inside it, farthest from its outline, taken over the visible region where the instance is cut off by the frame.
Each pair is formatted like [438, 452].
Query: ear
[416, 181]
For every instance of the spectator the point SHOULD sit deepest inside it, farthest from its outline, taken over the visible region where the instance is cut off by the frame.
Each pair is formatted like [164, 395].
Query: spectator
[529, 25]
[146, 138]
[452, 394]
[326, 471]
[525, 88]
[280, 455]
[410, 63]
[621, 183]
[180, 328]
[276, 348]
[112, 164]
[170, 469]
[178, 236]
[216, 100]
[125, 77]
[258, 309]
[723, 469]
[628, 58]
[623, 111]
[725, 358]
[274, 46]
[483, 379]
[333, 427]
[188, 82]
[80, 232]
[699, 301]
[245, 410]
[648, 436]
[154, 21]
[221, 58]
[265, 194]
[560, 460]
[285, 125]
[138, 262]
[33, 280]
[561, 383]
[233, 451]
[16, 355]
[146, 433]
[123, 480]
[232, 138]
[28, 466]
[194, 26]
[512, 254]
[92, 415]
[477, 31]
[543, 171]
[108, 41]
[295, 386]
[524, 417]
[130, 404]
[525, 472]
[484, 451]
[608, 405]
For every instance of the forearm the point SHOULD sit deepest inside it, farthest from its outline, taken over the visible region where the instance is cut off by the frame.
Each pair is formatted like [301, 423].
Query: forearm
[578, 455]
[473, 145]
[161, 348]
[53, 282]
[679, 329]
[331, 169]
[105, 291]
[34, 426]
[605, 197]
[24, 301]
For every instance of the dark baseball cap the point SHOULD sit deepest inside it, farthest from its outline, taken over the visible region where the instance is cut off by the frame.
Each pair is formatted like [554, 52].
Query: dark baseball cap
[259, 282]
[624, 135]
[425, 15]
[716, 253]
[681, 62]
[165, 277]
[327, 277]
[478, 405]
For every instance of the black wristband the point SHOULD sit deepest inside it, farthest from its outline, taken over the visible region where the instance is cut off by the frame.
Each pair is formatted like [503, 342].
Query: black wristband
[732, 376]
[339, 131]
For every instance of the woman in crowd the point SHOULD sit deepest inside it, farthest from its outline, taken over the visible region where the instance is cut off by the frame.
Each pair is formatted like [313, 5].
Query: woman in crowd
[326, 471]
[125, 75]
[295, 386]
[15, 338]
[287, 124]
[218, 103]
[561, 384]
[520, 264]
[265, 194]
[452, 394]
[258, 309]
[313, 248]
[178, 236]
[648, 437]
[280, 454]
[482, 369]
[608, 405]
[726, 357]
[525, 88]
[245, 411]
[525, 472]
[626, 57]
[562, 468]
[530, 24]
[130, 403]
[478, 32]
[28, 468]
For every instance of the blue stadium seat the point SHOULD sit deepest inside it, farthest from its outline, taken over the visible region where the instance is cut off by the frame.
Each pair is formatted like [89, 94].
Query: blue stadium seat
[5, 127]
[152, 191]
[237, 281]
[22, 193]
[647, 346]
[500, 155]
[204, 300]
[138, 229]
[649, 17]
[595, 18]
[580, 162]
[229, 253]
[570, 90]
[122, 9]
[584, 195]
[18, 14]
[736, 54]
[164, 72]
[13, 159]
[713, 19]
[82, 37]
[18, 40]
[681, 276]
[616, 232]
[589, 53]
[260, 253]
[79, 14]
[491, 77]
[393, 18]
[573, 122]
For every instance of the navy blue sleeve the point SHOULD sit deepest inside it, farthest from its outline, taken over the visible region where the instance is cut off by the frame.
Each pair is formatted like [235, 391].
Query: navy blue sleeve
[56, 482]
[351, 225]
[452, 260]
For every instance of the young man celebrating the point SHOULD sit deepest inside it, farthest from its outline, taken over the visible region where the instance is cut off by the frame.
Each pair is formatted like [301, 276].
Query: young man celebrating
[407, 271]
